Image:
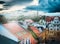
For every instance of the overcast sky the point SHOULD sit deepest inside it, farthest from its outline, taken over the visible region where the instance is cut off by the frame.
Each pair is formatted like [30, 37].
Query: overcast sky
[31, 5]
[18, 4]
[42, 5]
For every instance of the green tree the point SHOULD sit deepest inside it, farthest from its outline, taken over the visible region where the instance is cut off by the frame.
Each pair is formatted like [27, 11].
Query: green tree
[3, 19]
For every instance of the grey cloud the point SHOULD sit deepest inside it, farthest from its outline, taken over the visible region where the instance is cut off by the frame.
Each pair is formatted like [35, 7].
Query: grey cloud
[16, 2]
[46, 6]
[10, 3]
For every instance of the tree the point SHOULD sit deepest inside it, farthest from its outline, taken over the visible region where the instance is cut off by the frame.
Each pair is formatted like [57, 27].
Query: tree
[3, 19]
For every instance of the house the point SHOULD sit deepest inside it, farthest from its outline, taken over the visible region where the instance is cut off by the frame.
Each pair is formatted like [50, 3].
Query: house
[55, 24]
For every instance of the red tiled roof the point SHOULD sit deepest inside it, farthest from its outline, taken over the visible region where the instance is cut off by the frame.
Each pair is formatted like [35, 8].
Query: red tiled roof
[35, 30]
[19, 32]
[16, 30]
[29, 20]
